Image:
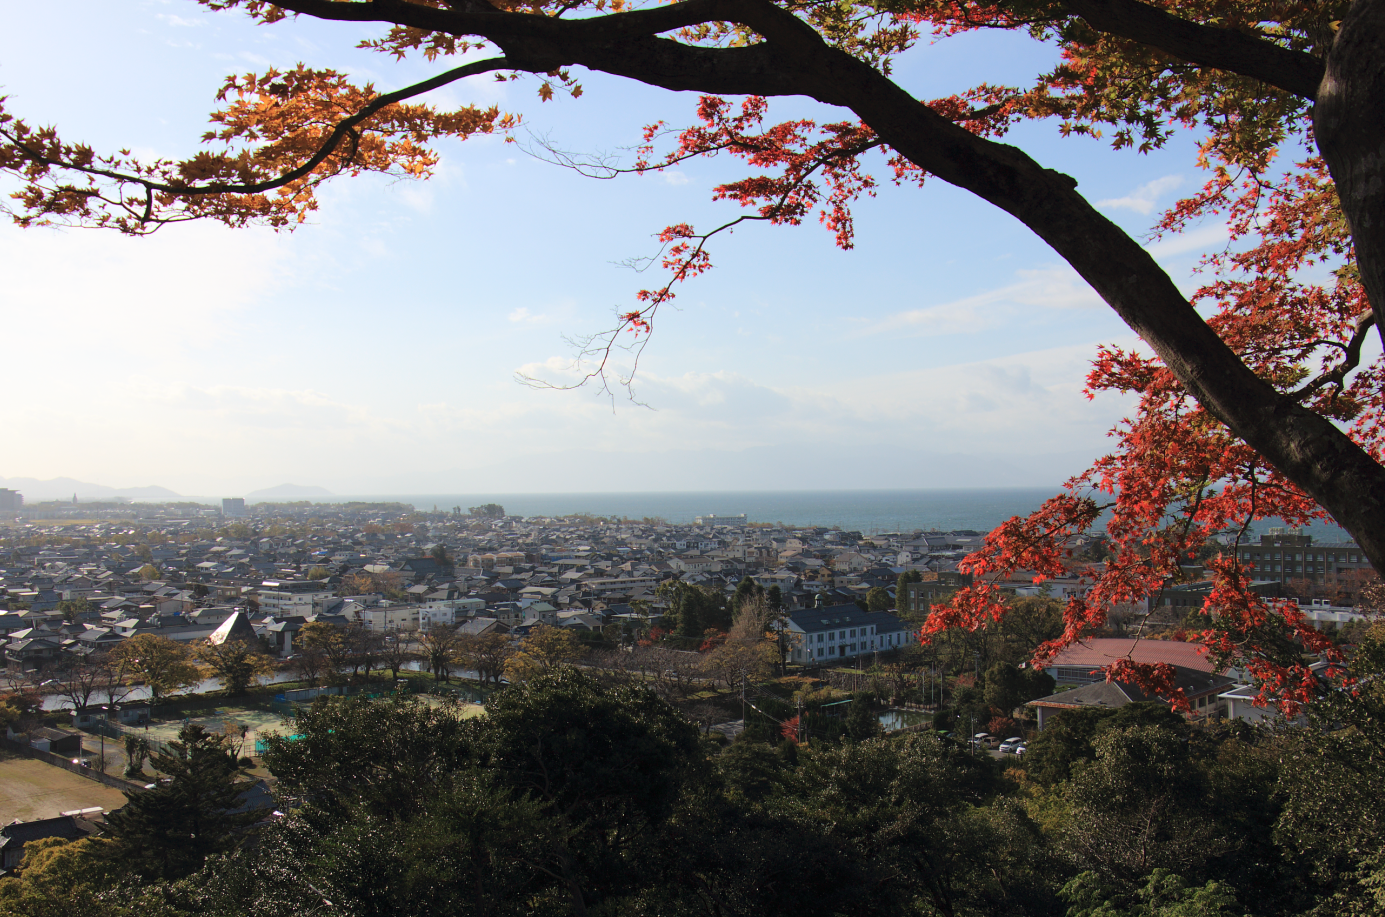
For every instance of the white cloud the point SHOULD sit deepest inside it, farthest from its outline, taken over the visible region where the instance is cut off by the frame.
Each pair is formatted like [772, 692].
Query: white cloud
[1204, 238]
[1057, 287]
[522, 316]
[546, 313]
[180, 22]
[1144, 198]
[97, 290]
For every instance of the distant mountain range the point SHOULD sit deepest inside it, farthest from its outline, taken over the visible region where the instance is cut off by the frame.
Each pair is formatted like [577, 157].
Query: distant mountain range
[286, 491]
[36, 491]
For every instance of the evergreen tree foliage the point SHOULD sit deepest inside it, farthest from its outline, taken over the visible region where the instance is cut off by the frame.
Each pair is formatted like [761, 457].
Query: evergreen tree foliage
[168, 831]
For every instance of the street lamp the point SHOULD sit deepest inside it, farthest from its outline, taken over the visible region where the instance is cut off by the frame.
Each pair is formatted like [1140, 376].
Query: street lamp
[102, 734]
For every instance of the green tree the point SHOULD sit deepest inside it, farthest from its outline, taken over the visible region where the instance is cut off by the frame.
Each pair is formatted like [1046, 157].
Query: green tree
[391, 756]
[331, 642]
[774, 596]
[878, 599]
[488, 511]
[1006, 687]
[747, 590]
[1164, 894]
[693, 610]
[544, 650]
[606, 765]
[74, 609]
[861, 721]
[486, 654]
[60, 878]
[20, 709]
[912, 833]
[136, 751]
[901, 593]
[168, 831]
[238, 663]
[1329, 782]
[164, 665]
[1139, 805]
[439, 645]
[1070, 736]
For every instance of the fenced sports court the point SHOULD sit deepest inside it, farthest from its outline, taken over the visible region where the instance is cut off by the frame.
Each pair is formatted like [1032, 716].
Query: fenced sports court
[254, 723]
[234, 721]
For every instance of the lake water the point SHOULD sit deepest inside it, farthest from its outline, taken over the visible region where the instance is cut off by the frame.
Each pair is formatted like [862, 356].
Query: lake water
[59, 702]
[855, 510]
[865, 511]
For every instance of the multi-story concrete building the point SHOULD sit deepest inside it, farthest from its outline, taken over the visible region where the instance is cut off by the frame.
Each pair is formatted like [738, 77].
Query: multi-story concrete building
[282, 598]
[1293, 558]
[935, 588]
[838, 632]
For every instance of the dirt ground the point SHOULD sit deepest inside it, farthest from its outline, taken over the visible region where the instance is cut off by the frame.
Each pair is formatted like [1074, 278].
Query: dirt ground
[468, 710]
[254, 721]
[31, 789]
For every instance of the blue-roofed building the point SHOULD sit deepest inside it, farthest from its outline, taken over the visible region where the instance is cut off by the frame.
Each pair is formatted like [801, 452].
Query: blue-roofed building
[837, 632]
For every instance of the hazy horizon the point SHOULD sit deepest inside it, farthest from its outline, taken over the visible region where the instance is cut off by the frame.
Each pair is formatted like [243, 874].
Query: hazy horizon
[374, 349]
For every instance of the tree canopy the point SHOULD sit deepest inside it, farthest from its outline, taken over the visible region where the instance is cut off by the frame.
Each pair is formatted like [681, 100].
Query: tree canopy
[1258, 398]
[573, 797]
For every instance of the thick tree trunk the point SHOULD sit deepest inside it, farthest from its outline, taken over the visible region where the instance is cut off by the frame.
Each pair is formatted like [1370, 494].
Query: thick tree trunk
[1350, 124]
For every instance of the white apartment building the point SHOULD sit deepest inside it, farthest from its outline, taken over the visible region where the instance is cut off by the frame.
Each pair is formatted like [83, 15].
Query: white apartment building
[292, 597]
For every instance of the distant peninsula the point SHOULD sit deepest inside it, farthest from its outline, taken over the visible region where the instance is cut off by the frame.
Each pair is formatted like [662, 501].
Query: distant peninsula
[285, 491]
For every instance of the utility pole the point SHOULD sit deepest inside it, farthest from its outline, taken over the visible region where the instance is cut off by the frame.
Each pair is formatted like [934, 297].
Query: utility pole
[743, 681]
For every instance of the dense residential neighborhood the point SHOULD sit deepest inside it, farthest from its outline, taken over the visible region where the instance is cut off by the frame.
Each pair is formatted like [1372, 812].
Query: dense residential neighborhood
[80, 579]
[764, 662]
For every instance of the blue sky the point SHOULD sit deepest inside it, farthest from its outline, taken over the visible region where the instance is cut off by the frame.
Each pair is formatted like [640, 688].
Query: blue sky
[374, 350]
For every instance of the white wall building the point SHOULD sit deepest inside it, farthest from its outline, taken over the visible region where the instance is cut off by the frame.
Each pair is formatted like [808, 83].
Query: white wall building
[839, 632]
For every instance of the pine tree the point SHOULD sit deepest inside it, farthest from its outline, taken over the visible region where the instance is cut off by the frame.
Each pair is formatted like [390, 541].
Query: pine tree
[901, 592]
[166, 832]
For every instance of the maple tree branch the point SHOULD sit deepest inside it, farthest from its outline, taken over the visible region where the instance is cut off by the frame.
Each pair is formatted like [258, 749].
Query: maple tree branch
[622, 44]
[1351, 358]
[602, 166]
[1232, 50]
[345, 129]
[794, 60]
[643, 317]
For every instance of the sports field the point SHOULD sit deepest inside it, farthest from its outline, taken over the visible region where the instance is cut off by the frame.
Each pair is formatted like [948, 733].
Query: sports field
[255, 722]
[468, 710]
[31, 789]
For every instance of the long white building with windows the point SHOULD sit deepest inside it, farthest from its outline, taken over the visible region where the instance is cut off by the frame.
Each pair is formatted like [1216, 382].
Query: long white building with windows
[841, 632]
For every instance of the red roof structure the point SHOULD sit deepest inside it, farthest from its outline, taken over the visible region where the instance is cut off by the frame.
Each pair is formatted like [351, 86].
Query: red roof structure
[1099, 652]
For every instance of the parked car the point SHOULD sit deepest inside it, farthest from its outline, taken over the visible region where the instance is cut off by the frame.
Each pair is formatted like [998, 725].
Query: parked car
[1010, 744]
[1020, 749]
